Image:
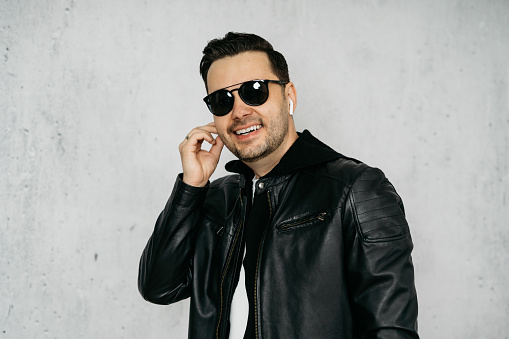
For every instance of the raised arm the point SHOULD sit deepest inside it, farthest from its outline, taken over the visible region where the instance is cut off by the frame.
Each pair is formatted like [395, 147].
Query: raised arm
[165, 271]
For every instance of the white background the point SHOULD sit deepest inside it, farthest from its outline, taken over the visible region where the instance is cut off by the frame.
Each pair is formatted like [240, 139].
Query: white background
[95, 97]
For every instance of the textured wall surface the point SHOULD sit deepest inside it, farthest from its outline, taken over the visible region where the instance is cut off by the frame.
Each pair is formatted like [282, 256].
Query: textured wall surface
[96, 96]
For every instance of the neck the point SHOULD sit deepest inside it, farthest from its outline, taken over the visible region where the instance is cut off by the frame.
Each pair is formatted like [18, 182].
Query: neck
[264, 166]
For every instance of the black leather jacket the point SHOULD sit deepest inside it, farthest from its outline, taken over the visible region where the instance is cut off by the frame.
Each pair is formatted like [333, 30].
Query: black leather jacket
[334, 261]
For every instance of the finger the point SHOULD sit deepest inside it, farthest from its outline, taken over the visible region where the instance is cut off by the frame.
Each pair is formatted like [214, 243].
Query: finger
[193, 141]
[217, 147]
[211, 128]
[198, 135]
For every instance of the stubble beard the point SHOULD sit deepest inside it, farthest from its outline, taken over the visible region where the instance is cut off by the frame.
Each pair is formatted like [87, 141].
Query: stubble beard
[277, 130]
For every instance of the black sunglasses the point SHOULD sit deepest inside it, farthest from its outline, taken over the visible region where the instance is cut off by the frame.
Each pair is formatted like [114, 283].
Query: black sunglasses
[253, 93]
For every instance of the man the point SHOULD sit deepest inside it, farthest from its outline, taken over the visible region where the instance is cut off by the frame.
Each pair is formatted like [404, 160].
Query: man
[318, 241]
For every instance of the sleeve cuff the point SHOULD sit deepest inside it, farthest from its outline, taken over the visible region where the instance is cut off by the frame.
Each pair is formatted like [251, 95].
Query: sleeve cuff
[188, 195]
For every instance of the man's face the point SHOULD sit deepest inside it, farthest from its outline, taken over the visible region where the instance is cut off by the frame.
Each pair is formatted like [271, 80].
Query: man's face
[268, 124]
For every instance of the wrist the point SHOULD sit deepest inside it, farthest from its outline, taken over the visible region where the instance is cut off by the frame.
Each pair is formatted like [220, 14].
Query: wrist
[194, 183]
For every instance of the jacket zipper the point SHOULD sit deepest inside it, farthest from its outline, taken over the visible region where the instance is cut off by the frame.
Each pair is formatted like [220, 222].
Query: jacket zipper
[226, 268]
[257, 267]
[320, 217]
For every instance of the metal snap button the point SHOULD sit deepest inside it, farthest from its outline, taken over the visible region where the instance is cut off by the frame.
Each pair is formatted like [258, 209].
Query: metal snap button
[261, 185]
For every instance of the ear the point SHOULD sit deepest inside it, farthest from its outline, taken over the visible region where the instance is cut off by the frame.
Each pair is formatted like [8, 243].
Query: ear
[291, 96]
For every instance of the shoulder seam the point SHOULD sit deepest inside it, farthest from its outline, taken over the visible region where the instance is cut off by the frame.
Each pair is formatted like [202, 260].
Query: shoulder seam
[338, 179]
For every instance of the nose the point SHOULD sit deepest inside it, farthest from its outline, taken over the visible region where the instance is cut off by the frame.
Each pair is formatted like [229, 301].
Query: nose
[240, 108]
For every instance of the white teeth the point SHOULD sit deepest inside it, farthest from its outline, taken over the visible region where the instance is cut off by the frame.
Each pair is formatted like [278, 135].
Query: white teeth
[247, 130]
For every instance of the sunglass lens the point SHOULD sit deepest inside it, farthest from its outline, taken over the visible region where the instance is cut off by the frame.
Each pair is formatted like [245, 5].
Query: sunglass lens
[254, 93]
[221, 102]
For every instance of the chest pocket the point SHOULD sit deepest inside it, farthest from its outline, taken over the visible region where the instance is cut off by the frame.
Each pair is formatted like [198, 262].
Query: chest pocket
[303, 221]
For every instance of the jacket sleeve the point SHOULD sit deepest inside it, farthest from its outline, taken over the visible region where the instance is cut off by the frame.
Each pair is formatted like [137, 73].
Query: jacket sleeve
[165, 272]
[380, 270]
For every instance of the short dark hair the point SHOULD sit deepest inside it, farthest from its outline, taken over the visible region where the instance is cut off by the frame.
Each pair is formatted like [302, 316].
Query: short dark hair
[236, 43]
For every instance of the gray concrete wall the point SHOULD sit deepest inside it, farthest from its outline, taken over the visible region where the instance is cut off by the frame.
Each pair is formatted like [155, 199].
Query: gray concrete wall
[95, 97]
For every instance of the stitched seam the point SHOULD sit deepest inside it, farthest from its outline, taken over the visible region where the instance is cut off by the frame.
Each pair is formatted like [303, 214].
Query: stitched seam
[224, 275]
[351, 194]
[365, 190]
[257, 265]
[320, 216]
[221, 182]
[213, 218]
[318, 219]
[373, 189]
[171, 208]
[221, 287]
[378, 209]
[212, 214]
[335, 178]
[365, 181]
[385, 216]
[216, 224]
[381, 228]
[369, 199]
[207, 213]
[327, 176]
[387, 239]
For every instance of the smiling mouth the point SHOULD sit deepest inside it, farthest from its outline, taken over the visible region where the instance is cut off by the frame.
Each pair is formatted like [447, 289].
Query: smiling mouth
[248, 130]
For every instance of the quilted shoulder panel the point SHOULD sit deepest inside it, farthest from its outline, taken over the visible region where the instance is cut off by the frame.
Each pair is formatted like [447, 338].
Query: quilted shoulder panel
[377, 207]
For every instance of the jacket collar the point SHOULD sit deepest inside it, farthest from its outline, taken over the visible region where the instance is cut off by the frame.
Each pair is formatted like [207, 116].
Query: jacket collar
[306, 151]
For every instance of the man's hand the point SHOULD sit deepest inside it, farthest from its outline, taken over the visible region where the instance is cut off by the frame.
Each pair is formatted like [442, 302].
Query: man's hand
[198, 164]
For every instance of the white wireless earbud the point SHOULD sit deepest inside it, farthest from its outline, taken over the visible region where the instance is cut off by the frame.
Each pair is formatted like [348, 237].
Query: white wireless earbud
[291, 106]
